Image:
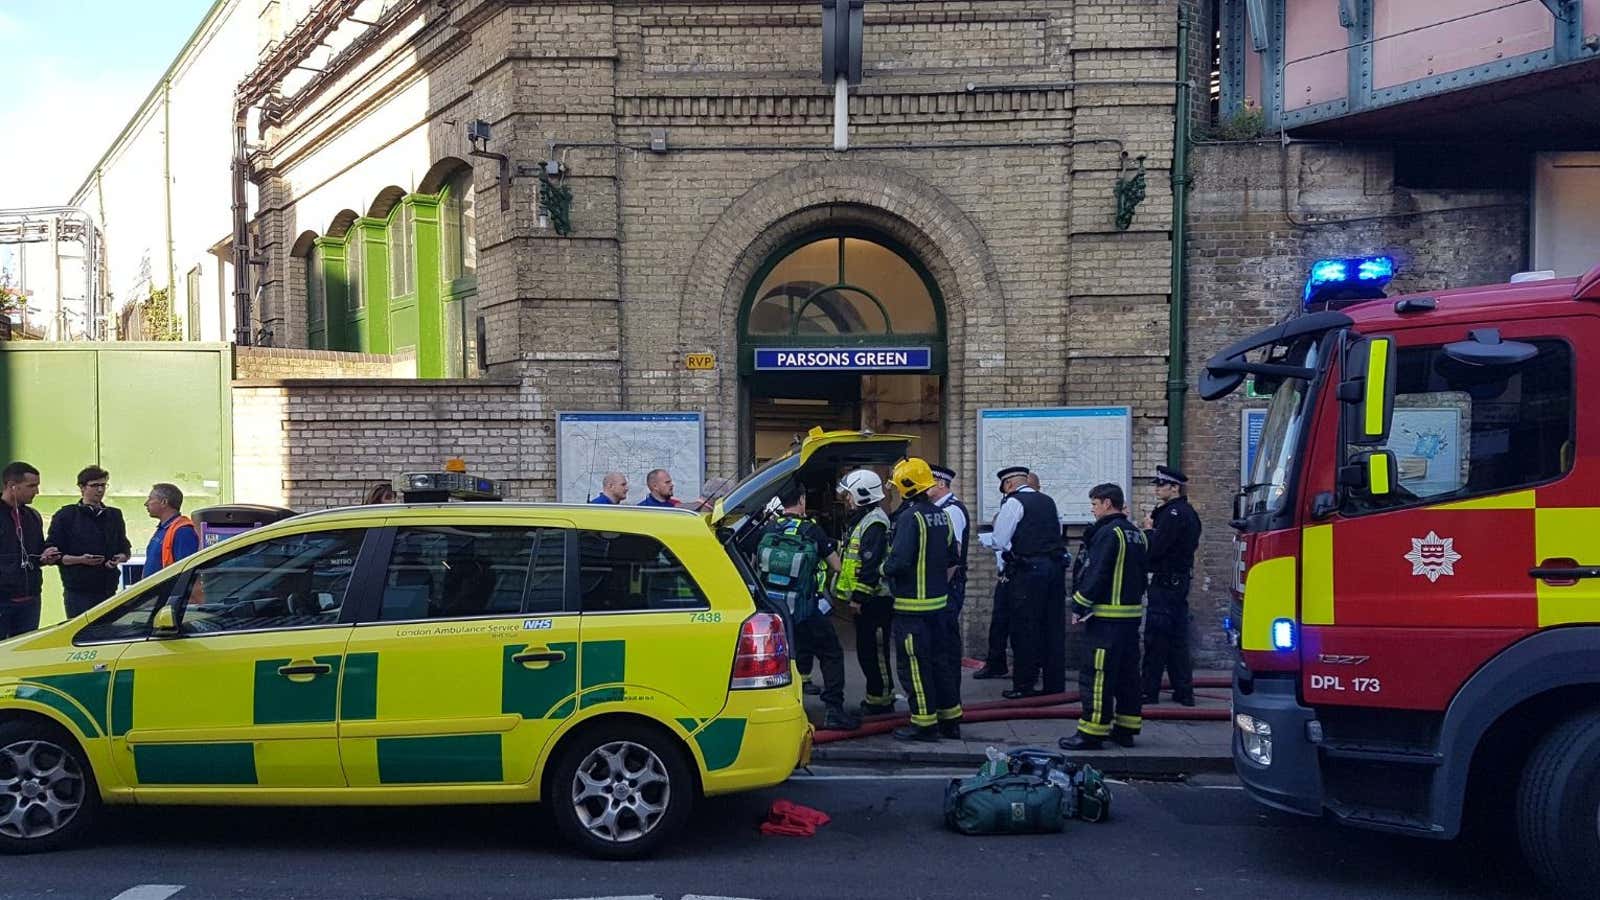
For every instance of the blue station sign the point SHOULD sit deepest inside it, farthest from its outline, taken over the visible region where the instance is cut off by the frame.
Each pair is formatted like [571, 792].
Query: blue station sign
[843, 359]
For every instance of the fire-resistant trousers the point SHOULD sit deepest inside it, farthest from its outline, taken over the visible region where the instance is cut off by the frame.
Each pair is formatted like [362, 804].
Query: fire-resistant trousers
[928, 668]
[1109, 677]
[872, 649]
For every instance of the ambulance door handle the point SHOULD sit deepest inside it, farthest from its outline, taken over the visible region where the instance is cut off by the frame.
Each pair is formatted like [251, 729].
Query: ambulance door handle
[538, 657]
[303, 670]
[1562, 571]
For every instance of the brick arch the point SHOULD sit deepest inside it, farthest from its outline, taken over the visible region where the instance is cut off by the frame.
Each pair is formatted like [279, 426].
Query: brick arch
[859, 194]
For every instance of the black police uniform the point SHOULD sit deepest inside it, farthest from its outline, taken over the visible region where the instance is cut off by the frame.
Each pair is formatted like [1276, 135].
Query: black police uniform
[1173, 541]
[1035, 595]
[1109, 588]
[921, 549]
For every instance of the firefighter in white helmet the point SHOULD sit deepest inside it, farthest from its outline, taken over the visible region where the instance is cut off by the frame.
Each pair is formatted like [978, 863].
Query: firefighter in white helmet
[860, 583]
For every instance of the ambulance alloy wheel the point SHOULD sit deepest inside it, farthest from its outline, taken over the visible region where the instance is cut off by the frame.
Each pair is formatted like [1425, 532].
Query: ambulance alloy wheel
[620, 790]
[1558, 806]
[48, 798]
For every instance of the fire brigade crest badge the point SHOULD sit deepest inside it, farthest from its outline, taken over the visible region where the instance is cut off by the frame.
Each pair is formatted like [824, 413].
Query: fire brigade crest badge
[1433, 556]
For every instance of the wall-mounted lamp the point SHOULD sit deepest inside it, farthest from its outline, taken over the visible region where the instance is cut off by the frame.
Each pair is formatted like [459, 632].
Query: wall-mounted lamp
[479, 132]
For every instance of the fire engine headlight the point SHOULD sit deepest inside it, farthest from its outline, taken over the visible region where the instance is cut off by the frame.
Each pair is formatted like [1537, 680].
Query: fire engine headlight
[1255, 736]
[421, 481]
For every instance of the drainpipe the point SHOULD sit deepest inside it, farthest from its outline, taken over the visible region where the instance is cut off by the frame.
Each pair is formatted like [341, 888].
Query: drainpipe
[241, 232]
[166, 183]
[1177, 381]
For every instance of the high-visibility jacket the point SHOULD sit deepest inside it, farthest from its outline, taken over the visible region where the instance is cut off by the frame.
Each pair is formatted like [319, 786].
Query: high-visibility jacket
[921, 550]
[1111, 583]
[171, 535]
[861, 570]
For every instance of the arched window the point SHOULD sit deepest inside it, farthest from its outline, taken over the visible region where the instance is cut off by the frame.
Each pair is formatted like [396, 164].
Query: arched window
[402, 251]
[844, 285]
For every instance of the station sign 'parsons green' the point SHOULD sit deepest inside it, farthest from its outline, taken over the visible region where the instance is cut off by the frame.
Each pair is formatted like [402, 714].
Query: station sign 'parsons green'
[843, 359]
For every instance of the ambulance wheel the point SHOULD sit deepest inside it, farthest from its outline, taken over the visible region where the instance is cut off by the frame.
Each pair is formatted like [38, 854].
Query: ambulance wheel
[48, 796]
[620, 790]
[1558, 806]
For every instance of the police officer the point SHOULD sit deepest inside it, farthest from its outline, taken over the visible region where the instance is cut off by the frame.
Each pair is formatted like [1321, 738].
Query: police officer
[1027, 543]
[1173, 532]
[922, 548]
[860, 583]
[1107, 596]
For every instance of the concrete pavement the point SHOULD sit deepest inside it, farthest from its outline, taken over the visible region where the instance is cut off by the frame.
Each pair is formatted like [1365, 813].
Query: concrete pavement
[1165, 749]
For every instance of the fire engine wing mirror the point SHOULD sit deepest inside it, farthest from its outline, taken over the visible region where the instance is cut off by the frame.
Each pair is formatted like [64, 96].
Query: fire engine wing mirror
[1369, 390]
[1483, 347]
[1373, 473]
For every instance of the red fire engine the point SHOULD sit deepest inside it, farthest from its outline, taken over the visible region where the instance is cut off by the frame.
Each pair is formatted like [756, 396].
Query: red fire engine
[1418, 593]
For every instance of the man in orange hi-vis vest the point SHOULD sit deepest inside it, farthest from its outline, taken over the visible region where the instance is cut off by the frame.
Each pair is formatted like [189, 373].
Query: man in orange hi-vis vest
[176, 537]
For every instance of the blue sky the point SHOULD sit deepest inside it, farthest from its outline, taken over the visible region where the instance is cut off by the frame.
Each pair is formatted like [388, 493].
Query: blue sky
[75, 72]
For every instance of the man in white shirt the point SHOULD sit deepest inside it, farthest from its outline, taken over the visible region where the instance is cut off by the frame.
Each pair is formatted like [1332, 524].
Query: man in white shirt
[1027, 544]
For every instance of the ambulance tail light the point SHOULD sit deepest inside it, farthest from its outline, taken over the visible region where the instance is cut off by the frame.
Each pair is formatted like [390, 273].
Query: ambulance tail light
[761, 659]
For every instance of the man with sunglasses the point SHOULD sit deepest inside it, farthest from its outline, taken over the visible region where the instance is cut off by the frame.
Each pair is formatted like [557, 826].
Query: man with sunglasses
[93, 540]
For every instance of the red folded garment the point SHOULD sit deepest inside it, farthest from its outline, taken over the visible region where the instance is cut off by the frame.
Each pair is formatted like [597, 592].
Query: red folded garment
[793, 820]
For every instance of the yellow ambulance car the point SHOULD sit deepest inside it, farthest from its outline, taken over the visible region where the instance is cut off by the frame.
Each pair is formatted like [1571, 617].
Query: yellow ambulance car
[614, 663]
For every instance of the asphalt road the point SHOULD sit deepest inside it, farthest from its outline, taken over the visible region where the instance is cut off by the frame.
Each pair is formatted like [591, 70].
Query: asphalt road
[886, 841]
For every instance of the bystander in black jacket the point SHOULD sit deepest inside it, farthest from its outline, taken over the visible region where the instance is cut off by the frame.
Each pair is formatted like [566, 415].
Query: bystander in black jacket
[84, 530]
[20, 574]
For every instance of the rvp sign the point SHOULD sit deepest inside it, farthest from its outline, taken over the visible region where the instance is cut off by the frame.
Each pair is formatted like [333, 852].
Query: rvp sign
[701, 362]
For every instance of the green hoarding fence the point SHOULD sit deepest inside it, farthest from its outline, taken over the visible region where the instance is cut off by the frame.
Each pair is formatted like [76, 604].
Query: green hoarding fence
[146, 412]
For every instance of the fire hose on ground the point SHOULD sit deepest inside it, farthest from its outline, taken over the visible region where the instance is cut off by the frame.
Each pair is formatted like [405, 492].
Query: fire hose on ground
[1043, 706]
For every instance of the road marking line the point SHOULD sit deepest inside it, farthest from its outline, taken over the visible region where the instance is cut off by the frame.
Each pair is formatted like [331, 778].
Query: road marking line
[1222, 787]
[709, 897]
[149, 892]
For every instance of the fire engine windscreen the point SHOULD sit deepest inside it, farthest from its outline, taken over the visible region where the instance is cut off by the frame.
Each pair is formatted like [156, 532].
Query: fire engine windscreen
[1276, 455]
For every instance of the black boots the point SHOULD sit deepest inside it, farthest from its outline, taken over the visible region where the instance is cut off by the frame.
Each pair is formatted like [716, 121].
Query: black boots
[1081, 741]
[950, 730]
[924, 733]
[836, 719]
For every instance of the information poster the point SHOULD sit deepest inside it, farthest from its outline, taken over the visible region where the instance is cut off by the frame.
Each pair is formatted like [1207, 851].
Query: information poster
[1071, 448]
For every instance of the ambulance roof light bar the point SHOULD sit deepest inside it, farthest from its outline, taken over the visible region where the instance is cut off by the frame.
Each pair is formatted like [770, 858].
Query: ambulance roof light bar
[1339, 282]
[451, 484]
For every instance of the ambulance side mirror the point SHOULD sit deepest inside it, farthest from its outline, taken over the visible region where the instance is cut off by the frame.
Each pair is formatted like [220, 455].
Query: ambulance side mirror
[165, 623]
[1368, 389]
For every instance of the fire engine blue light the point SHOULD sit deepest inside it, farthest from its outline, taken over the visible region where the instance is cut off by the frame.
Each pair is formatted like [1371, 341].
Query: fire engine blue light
[1283, 634]
[1363, 273]
[1375, 268]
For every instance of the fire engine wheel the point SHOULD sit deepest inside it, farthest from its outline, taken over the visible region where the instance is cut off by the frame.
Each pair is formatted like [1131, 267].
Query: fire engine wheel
[1558, 806]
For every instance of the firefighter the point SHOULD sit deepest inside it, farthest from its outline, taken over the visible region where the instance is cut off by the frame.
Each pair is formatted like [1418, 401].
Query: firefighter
[943, 496]
[1027, 543]
[860, 583]
[1173, 532]
[922, 548]
[1107, 597]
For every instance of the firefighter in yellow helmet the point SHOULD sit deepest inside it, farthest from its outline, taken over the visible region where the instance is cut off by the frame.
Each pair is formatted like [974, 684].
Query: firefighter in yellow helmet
[922, 550]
